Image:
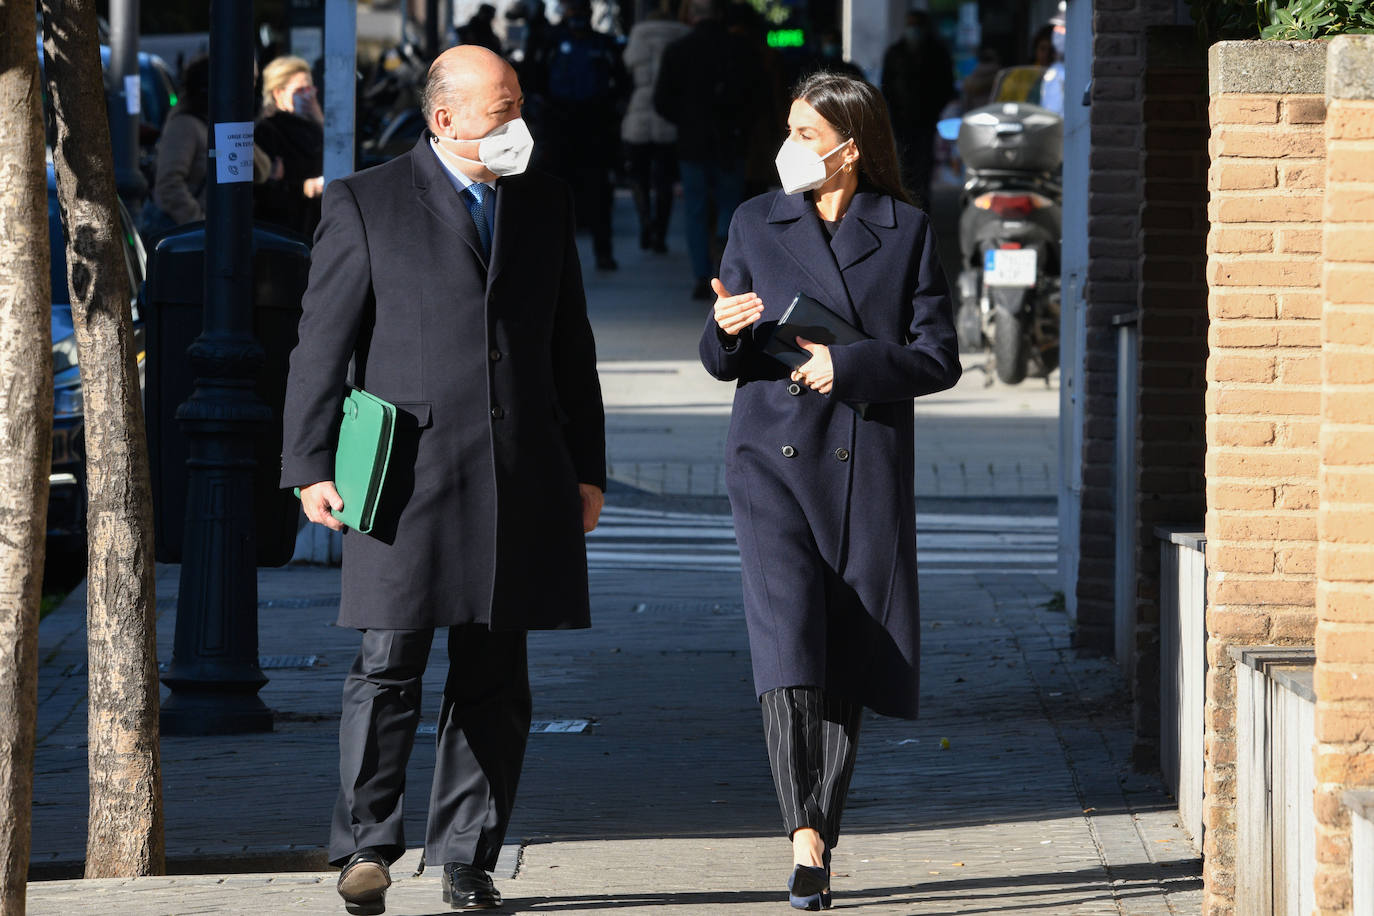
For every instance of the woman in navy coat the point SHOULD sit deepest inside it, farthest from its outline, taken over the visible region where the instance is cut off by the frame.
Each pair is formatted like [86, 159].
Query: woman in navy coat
[823, 498]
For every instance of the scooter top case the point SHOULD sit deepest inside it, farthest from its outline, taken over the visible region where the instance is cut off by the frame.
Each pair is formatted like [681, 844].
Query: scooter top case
[1012, 136]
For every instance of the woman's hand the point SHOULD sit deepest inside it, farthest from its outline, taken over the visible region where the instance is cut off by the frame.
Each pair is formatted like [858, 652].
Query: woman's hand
[313, 187]
[818, 372]
[735, 313]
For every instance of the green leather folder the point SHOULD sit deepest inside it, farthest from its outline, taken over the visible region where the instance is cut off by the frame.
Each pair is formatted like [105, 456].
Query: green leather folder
[360, 461]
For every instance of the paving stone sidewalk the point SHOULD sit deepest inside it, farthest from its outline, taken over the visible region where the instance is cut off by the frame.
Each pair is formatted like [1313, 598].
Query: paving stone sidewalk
[1012, 794]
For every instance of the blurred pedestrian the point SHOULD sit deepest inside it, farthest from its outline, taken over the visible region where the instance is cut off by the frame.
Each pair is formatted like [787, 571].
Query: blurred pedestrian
[650, 141]
[1042, 46]
[918, 79]
[1052, 83]
[478, 30]
[711, 85]
[976, 89]
[180, 175]
[830, 57]
[180, 179]
[583, 80]
[290, 130]
[822, 499]
[446, 282]
[779, 75]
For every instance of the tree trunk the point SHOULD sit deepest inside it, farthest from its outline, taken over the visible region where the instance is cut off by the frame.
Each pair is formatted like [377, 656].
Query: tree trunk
[25, 430]
[124, 833]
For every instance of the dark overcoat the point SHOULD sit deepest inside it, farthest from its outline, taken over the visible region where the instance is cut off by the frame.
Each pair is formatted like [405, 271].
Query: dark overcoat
[494, 374]
[823, 501]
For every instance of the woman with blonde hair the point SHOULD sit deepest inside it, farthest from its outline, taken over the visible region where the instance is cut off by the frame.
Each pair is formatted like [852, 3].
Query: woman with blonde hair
[291, 131]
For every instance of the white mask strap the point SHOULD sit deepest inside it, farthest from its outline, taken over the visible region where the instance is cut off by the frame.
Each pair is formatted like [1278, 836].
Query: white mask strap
[449, 154]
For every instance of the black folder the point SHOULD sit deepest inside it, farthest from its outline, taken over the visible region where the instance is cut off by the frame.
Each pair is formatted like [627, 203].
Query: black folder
[806, 317]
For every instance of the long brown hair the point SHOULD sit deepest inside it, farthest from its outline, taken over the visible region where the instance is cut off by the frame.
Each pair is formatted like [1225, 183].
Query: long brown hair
[857, 111]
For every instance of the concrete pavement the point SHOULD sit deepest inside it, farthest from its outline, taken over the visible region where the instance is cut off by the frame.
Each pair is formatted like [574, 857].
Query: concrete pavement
[646, 786]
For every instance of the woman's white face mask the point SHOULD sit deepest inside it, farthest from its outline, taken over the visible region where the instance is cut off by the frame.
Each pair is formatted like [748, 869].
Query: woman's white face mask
[504, 151]
[801, 168]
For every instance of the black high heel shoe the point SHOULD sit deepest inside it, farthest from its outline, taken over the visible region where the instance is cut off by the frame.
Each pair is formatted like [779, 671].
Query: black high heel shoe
[804, 886]
[826, 898]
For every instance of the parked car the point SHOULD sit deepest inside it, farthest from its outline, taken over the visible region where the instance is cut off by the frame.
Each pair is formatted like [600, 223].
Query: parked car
[157, 94]
[67, 493]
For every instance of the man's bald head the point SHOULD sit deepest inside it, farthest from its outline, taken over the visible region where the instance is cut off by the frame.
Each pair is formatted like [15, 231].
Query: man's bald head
[463, 77]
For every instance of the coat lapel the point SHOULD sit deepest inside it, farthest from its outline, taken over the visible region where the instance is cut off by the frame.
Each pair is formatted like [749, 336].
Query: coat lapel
[856, 239]
[435, 190]
[805, 241]
[510, 194]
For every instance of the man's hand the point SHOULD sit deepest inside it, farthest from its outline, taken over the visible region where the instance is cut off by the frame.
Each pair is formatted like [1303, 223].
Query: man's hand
[318, 499]
[735, 313]
[592, 501]
[818, 372]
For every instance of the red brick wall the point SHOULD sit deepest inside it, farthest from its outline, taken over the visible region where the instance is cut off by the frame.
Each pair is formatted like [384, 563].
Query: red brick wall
[1263, 391]
[1112, 284]
[1345, 520]
[1172, 341]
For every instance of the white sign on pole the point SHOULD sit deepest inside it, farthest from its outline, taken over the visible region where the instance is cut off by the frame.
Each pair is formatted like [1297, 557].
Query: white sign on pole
[234, 152]
[133, 95]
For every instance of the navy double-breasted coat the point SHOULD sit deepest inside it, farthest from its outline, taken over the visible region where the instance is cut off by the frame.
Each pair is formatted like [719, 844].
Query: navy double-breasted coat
[493, 369]
[823, 501]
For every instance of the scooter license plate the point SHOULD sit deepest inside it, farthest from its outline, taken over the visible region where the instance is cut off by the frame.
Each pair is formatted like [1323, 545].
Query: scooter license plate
[1009, 267]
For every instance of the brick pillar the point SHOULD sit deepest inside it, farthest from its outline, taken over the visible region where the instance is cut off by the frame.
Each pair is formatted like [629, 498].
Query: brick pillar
[1111, 286]
[1345, 521]
[1263, 386]
[1170, 441]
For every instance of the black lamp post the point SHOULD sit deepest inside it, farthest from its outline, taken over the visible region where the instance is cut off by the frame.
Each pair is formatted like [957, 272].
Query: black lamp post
[214, 675]
[125, 73]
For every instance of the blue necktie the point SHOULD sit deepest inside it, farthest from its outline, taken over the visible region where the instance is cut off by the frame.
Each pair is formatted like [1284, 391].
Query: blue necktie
[476, 200]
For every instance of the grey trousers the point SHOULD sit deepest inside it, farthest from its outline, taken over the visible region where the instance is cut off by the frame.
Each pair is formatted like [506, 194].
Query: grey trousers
[484, 722]
[812, 739]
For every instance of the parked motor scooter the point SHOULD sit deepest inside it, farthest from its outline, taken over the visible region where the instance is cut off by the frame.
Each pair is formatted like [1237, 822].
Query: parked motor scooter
[1009, 236]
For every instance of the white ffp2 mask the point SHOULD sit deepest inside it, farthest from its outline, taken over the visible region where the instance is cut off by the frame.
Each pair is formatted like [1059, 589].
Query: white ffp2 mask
[504, 151]
[801, 168]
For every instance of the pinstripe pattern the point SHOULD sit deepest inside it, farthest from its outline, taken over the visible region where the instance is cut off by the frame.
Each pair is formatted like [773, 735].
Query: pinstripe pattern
[812, 739]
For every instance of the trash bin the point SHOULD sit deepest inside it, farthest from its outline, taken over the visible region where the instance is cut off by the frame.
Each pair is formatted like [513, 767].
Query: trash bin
[172, 304]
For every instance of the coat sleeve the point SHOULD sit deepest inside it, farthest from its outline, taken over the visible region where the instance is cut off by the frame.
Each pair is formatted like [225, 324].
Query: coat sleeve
[636, 49]
[337, 297]
[668, 87]
[176, 154]
[722, 355]
[882, 370]
[574, 366]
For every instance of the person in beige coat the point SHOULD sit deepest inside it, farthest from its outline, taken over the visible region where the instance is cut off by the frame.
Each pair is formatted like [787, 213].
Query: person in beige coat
[182, 150]
[650, 140]
[183, 156]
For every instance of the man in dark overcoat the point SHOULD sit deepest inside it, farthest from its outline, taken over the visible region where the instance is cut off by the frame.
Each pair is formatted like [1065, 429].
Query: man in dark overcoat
[447, 282]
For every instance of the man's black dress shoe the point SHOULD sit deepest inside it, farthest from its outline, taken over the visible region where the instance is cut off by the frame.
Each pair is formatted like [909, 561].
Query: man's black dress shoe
[467, 887]
[363, 883]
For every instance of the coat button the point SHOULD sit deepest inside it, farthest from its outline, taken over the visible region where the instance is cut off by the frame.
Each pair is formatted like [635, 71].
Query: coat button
[497, 413]
[495, 356]
[794, 389]
[841, 454]
[788, 451]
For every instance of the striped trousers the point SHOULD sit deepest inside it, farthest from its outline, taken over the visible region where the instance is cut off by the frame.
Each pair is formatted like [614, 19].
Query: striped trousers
[812, 739]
